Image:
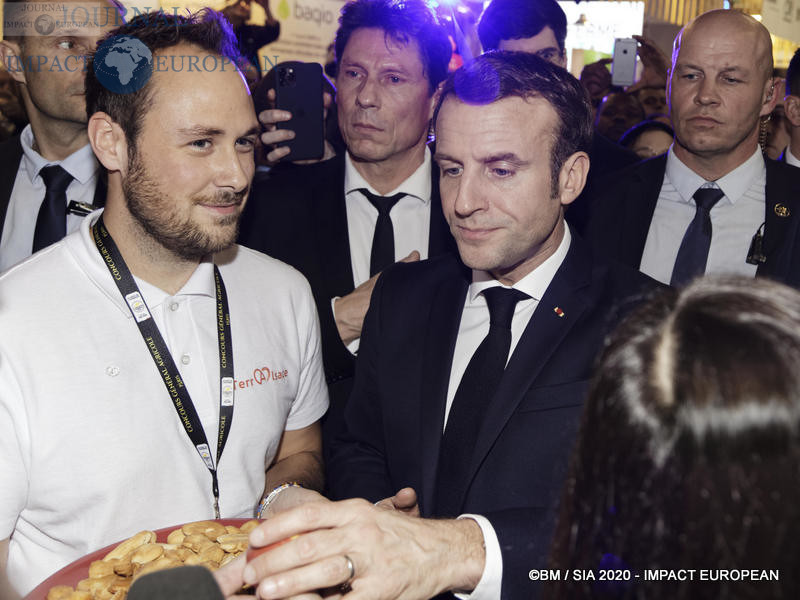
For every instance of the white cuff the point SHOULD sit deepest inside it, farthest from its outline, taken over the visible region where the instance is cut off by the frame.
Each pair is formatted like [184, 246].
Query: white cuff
[352, 346]
[491, 581]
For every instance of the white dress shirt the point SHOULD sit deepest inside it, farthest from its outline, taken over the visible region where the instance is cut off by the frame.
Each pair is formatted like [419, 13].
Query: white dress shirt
[411, 216]
[473, 328]
[411, 220]
[791, 157]
[734, 219]
[16, 242]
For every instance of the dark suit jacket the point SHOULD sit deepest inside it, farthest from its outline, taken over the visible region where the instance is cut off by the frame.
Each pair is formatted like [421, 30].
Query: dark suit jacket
[395, 417]
[620, 219]
[297, 214]
[10, 157]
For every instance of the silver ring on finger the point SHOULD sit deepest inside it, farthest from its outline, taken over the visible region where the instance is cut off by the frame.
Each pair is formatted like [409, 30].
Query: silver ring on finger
[351, 574]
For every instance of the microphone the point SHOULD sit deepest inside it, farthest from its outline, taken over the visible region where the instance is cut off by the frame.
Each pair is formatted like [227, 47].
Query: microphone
[180, 583]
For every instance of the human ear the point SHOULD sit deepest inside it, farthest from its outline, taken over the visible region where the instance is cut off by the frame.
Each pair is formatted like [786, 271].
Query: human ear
[572, 177]
[108, 142]
[11, 59]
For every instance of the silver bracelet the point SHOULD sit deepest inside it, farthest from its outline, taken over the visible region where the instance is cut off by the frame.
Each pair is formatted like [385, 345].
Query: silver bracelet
[272, 495]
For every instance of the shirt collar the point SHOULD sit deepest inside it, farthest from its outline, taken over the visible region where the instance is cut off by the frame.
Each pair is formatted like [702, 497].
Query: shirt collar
[81, 164]
[417, 185]
[535, 283]
[733, 184]
[201, 283]
[792, 158]
[81, 243]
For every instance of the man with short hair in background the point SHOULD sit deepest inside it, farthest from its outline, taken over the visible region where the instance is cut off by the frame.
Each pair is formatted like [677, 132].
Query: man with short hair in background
[713, 203]
[342, 221]
[49, 178]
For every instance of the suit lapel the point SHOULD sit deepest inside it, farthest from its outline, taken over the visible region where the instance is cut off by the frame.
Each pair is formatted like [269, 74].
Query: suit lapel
[445, 316]
[329, 215]
[10, 156]
[542, 336]
[640, 206]
[781, 220]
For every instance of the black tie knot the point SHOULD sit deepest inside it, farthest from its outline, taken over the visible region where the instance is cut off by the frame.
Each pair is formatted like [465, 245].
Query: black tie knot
[383, 204]
[51, 223]
[501, 302]
[382, 254]
[706, 197]
[693, 251]
[56, 179]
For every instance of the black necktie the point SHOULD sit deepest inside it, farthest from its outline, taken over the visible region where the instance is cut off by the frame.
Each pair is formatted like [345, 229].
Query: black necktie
[51, 224]
[693, 253]
[382, 254]
[475, 392]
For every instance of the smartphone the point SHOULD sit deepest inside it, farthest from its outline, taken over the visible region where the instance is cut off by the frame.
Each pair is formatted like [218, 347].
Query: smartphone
[623, 66]
[299, 90]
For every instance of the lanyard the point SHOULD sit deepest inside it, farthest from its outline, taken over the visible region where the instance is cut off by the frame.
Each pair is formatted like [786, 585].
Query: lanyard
[163, 358]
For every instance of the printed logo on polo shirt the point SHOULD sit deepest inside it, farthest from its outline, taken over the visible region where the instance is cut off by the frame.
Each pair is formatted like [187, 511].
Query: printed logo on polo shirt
[262, 376]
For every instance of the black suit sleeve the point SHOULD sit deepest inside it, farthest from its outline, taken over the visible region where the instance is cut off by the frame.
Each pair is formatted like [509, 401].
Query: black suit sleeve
[357, 467]
[523, 534]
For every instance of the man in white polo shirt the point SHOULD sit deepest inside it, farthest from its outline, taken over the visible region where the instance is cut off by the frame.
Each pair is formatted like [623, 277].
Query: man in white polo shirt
[151, 371]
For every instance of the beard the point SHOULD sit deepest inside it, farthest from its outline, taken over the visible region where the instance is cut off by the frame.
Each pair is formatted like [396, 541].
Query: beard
[158, 214]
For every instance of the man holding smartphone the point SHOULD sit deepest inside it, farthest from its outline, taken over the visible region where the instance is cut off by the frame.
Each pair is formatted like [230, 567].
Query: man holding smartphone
[342, 221]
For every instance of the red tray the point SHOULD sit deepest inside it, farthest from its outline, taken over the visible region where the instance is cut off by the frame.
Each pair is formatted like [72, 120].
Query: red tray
[74, 572]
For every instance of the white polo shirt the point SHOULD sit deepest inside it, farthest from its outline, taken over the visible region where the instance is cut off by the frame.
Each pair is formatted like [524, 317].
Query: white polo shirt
[91, 447]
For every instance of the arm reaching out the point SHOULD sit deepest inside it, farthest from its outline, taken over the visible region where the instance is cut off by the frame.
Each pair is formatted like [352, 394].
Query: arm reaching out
[392, 555]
